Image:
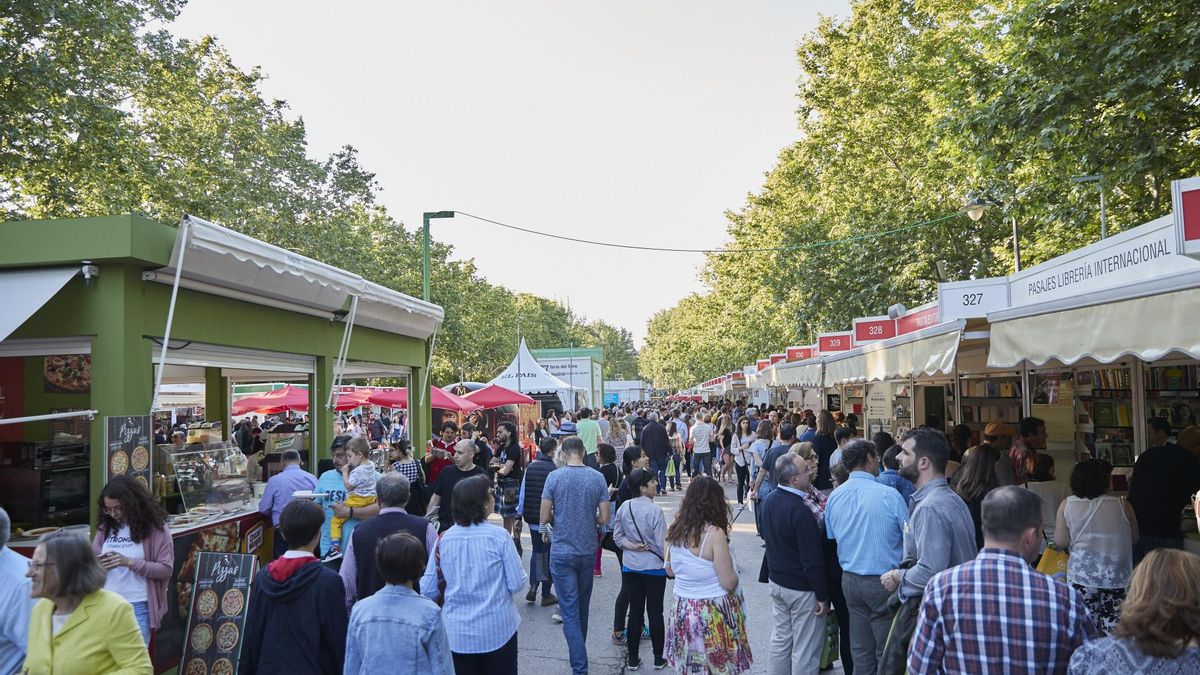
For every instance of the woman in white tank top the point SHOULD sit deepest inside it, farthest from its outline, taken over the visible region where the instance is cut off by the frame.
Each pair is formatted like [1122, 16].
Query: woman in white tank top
[706, 631]
[1099, 531]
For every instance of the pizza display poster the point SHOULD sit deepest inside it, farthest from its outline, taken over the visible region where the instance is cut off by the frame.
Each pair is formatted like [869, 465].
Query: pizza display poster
[213, 641]
[127, 439]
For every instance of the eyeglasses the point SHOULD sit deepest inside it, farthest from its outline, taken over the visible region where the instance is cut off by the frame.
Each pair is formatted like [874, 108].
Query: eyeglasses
[111, 511]
[35, 566]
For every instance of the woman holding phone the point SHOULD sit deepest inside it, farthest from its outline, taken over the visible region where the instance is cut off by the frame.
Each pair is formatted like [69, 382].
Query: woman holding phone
[135, 549]
[640, 530]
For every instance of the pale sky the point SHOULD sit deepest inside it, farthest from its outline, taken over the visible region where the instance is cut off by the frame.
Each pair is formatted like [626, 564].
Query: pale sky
[634, 122]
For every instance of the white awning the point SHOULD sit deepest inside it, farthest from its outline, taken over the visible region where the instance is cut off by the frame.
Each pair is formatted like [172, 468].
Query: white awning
[25, 291]
[220, 258]
[1147, 320]
[925, 352]
[797, 374]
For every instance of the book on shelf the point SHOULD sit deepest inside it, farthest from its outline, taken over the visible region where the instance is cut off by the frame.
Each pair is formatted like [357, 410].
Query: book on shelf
[1103, 414]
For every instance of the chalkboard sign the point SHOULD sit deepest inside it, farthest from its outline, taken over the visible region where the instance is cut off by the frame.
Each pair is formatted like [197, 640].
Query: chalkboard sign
[127, 443]
[213, 642]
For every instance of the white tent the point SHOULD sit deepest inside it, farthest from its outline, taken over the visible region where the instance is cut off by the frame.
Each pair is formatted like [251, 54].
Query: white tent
[528, 376]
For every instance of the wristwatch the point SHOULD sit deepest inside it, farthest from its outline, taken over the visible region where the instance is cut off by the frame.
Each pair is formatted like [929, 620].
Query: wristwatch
[351, 511]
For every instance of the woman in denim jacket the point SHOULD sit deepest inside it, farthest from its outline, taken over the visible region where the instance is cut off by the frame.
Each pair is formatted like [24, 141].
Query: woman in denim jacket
[397, 627]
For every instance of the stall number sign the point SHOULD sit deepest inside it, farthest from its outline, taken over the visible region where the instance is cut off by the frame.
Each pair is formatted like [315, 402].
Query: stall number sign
[972, 299]
[762, 363]
[776, 358]
[220, 598]
[1185, 200]
[917, 320]
[799, 353]
[835, 342]
[873, 329]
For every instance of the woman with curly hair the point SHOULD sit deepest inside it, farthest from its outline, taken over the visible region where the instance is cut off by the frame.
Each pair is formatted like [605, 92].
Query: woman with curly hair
[135, 548]
[1159, 628]
[707, 629]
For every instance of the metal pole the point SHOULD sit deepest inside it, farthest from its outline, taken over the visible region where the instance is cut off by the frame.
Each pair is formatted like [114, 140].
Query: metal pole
[1103, 213]
[184, 230]
[1016, 245]
[425, 218]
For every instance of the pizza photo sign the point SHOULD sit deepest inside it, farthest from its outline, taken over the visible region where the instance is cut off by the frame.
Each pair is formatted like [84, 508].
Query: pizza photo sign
[213, 642]
[127, 442]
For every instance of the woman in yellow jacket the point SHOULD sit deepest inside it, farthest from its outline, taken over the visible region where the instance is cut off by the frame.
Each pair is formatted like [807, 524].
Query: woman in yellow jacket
[78, 628]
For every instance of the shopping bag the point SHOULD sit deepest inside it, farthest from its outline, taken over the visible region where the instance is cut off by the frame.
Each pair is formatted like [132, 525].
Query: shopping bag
[1053, 562]
[829, 649]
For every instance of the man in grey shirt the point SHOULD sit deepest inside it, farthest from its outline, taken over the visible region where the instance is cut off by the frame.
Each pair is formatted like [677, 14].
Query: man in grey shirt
[940, 534]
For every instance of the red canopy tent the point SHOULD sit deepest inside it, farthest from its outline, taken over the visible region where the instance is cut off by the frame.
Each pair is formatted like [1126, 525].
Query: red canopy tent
[349, 400]
[494, 396]
[444, 400]
[274, 401]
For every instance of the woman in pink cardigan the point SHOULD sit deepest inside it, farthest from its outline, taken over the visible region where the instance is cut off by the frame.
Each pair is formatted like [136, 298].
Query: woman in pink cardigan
[135, 548]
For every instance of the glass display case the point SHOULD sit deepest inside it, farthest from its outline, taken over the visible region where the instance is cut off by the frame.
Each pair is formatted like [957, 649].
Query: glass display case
[210, 479]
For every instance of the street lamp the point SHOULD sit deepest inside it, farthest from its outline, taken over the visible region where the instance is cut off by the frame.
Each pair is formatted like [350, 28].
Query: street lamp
[977, 203]
[1098, 179]
[426, 217]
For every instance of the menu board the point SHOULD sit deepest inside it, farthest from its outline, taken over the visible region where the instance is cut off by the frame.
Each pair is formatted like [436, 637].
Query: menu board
[218, 616]
[127, 444]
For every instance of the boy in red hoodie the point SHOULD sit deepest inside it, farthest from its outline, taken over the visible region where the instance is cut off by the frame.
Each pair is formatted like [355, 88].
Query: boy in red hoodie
[296, 622]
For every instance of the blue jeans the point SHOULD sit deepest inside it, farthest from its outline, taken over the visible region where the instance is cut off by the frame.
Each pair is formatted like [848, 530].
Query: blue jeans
[675, 480]
[573, 578]
[141, 612]
[702, 463]
[660, 469]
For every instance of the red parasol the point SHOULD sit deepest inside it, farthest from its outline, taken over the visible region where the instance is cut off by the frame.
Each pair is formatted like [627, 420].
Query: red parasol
[274, 401]
[494, 396]
[349, 400]
[443, 400]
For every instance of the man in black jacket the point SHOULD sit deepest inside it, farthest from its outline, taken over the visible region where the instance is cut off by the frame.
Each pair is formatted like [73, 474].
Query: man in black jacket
[531, 512]
[796, 570]
[658, 449]
[359, 573]
[637, 425]
[297, 612]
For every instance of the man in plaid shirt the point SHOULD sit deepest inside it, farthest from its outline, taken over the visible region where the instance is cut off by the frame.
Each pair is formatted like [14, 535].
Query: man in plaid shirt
[996, 614]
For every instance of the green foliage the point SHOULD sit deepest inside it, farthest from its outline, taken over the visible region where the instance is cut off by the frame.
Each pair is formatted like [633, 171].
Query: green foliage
[904, 108]
[100, 115]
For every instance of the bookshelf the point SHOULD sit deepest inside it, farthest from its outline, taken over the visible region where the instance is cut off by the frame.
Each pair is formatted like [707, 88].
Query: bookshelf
[989, 398]
[1173, 393]
[1105, 410]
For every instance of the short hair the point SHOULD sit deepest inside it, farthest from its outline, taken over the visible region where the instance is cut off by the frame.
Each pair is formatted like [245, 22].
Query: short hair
[467, 427]
[547, 446]
[882, 440]
[787, 431]
[1160, 424]
[856, 454]
[5, 528]
[811, 421]
[339, 443]
[639, 478]
[77, 571]
[839, 473]
[606, 453]
[1089, 478]
[178, 433]
[393, 489]
[632, 454]
[448, 424]
[324, 465]
[844, 434]
[400, 558]
[891, 458]
[1009, 511]
[1161, 612]
[803, 449]
[933, 421]
[290, 456]
[1030, 426]
[653, 417]
[300, 521]
[470, 500]
[573, 445]
[359, 445]
[464, 444]
[786, 468]
[585, 413]
[931, 443]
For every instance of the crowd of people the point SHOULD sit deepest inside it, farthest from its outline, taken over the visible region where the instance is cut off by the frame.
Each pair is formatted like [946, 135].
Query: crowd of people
[881, 555]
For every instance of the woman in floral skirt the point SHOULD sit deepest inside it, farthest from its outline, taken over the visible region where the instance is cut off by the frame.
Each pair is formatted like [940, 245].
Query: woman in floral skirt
[707, 629]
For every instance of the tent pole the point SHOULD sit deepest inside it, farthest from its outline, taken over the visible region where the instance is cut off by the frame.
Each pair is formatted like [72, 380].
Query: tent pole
[184, 230]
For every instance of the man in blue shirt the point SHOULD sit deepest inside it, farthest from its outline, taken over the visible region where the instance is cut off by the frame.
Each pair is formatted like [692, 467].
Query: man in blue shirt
[278, 493]
[15, 602]
[891, 474]
[574, 503]
[867, 519]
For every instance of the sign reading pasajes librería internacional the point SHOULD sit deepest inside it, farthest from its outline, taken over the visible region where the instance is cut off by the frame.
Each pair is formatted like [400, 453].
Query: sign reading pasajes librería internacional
[1138, 254]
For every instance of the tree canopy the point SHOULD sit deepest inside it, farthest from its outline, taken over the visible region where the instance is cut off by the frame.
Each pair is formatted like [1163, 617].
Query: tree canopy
[906, 108]
[100, 113]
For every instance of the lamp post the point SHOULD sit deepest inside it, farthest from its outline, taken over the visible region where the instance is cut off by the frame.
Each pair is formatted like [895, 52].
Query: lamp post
[974, 207]
[1098, 179]
[426, 217]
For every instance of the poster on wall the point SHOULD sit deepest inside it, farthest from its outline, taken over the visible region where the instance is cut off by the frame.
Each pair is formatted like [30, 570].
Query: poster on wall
[218, 613]
[127, 448]
[67, 374]
[833, 402]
